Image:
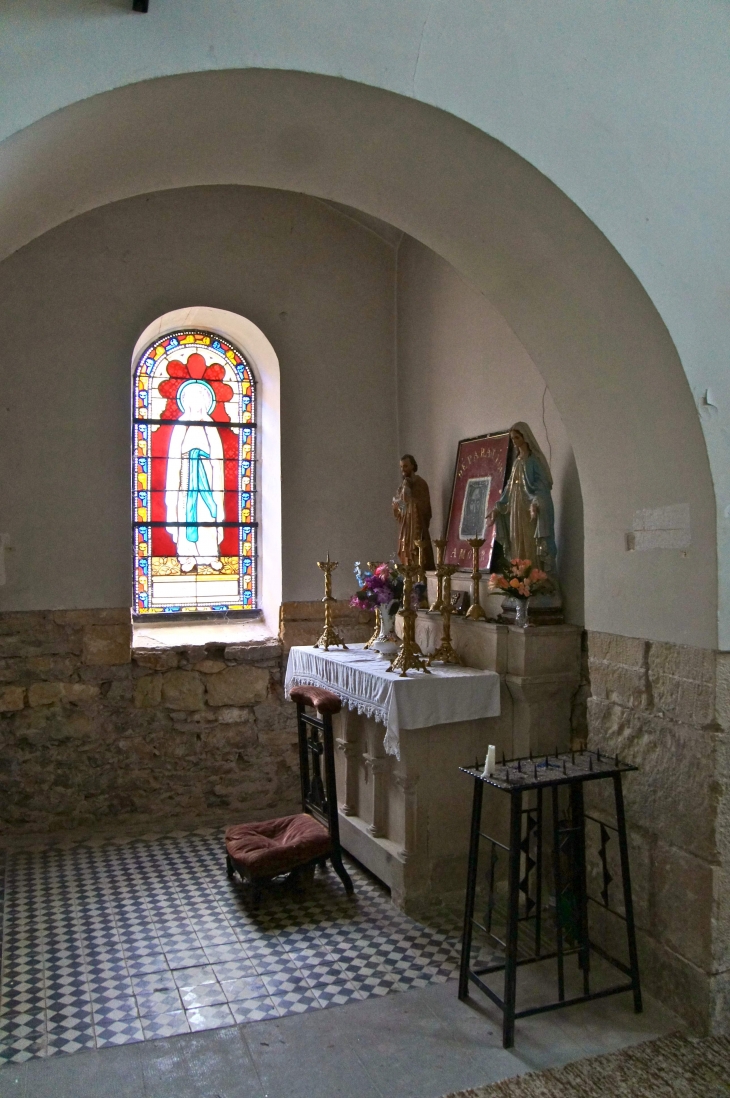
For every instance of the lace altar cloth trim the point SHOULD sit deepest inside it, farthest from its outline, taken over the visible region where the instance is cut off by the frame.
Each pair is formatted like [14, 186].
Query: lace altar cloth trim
[360, 678]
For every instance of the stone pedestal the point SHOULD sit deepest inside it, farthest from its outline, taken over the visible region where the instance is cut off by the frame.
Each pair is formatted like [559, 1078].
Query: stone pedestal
[408, 820]
[540, 669]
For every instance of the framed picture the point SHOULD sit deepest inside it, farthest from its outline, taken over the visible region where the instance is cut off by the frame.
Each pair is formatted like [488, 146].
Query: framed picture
[481, 470]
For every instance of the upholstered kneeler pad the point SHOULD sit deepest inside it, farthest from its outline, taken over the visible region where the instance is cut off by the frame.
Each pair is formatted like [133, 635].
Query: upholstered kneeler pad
[276, 846]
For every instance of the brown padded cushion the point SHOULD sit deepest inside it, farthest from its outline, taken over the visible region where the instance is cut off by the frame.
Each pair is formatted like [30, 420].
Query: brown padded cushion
[322, 700]
[275, 846]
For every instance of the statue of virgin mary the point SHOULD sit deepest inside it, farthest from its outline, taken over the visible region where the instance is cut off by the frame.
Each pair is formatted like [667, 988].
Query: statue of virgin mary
[194, 482]
[523, 516]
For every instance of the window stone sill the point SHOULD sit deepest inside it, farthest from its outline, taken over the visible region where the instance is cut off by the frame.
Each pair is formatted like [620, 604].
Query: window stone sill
[180, 634]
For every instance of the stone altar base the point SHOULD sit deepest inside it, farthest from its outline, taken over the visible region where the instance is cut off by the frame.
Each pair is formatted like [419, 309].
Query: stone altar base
[408, 820]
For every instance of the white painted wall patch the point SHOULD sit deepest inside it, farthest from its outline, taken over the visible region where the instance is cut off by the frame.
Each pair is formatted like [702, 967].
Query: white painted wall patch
[660, 528]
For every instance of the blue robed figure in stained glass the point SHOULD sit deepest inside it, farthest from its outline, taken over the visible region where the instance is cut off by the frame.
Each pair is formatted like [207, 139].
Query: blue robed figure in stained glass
[195, 479]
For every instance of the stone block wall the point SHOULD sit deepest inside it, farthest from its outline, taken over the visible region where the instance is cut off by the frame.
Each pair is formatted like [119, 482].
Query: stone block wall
[666, 708]
[94, 735]
[302, 623]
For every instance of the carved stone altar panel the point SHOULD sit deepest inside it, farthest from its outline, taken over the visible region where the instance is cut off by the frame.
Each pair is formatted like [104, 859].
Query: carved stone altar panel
[410, 825]
[408, 820]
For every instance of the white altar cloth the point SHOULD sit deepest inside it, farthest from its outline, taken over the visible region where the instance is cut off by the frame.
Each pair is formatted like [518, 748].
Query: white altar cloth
[360, 678]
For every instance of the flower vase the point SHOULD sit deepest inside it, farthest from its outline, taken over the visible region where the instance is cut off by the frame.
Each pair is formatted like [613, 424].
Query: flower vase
[521, 613]
[387, 642]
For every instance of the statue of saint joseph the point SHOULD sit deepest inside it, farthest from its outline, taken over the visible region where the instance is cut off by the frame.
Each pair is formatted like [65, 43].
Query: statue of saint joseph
[412, 509]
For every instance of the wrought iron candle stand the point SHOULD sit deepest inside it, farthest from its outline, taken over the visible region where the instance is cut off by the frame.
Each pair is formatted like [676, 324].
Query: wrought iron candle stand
[437, 605]
[330, 636]
[410, 657]
[528, 783]
[476, 610]
[445, 652]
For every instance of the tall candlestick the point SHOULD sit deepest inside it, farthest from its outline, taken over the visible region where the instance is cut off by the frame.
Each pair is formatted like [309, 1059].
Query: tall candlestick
[437, 605]
[475, 611]
[410, 656]
[422, 545]
[330, 636]
[445, 652]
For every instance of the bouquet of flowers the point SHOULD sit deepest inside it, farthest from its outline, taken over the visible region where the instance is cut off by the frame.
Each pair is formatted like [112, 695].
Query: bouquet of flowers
[380, 587]
[520, 580]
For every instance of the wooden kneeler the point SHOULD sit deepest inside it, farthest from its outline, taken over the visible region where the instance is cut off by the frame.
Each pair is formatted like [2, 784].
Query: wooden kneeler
[260, 851]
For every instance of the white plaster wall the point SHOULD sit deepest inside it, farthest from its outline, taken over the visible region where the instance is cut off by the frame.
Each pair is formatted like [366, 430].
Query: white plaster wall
[623, 105]
[462, 372]
[583, 317]
[72, 306]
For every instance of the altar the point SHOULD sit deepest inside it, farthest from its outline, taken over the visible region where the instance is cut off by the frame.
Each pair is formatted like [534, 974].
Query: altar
[399, 743]
[506, 673]
[404, 806]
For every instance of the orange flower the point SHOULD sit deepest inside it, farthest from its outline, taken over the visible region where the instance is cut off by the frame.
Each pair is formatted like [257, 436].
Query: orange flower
[514, 583]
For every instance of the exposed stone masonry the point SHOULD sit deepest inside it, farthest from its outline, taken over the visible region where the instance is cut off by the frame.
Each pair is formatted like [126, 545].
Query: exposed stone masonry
[92, 734]
[666, 708]
[95, 735]
[302, 623]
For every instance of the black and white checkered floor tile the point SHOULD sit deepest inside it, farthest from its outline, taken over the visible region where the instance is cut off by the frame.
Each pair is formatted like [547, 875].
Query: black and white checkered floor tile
[106, 944]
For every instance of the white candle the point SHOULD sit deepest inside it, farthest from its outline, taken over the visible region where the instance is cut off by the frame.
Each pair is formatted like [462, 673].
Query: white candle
[489, 762]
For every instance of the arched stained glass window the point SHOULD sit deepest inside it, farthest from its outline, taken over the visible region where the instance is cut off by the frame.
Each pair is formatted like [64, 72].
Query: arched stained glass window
[193, 477]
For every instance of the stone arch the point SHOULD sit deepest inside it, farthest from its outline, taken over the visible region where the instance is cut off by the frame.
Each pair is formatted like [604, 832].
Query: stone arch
[586, 321]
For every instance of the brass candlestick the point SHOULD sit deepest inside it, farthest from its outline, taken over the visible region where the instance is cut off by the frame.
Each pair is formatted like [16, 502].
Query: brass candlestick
[445, 652]
[421, 577]
[438, 603]
[475, 611]
[329, 633]
[410, 656]
[372, 565]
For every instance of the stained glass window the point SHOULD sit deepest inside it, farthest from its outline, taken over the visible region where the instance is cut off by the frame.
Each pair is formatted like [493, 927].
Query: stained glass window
[193, 475]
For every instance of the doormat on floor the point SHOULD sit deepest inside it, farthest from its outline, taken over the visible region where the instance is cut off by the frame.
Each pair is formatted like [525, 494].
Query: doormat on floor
[670, 1067]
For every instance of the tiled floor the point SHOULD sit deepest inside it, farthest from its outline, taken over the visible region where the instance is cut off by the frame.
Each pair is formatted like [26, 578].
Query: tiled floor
[422, 1044]
[116, 943]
